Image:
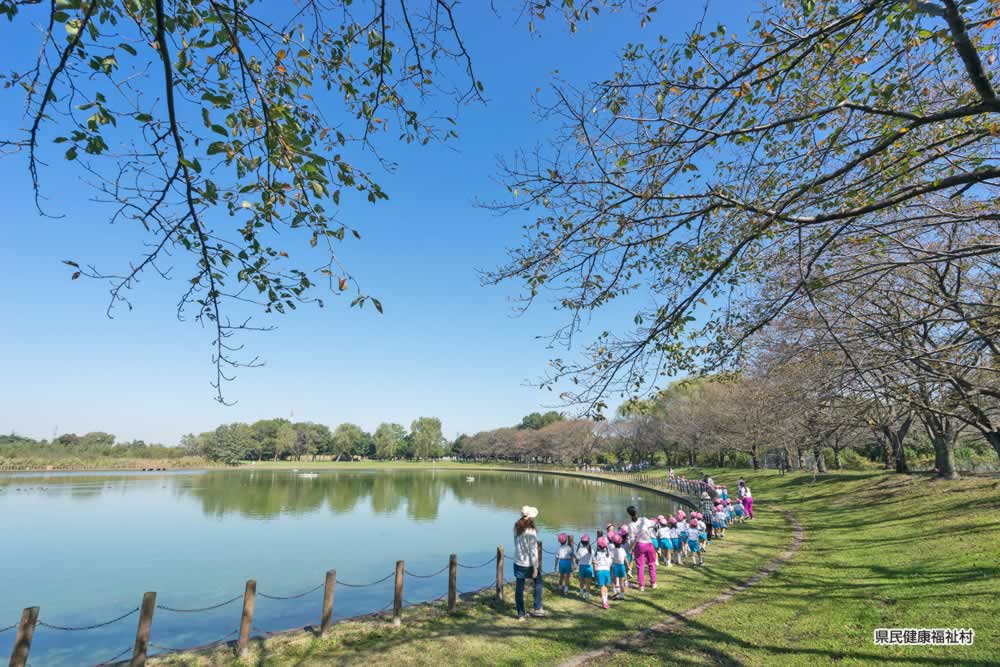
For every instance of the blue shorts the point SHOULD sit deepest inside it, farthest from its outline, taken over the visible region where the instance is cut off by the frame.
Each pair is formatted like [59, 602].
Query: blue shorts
[694, 546]
[565, 566]
[665, 543]
[629, 556]
[603, 577]
[716, 523]
[655, 542]
[677, 543]
[703, 536]
[586, 572]
[618, 570]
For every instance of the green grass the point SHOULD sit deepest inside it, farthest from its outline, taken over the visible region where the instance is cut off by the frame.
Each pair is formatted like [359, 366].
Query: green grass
[879, 551]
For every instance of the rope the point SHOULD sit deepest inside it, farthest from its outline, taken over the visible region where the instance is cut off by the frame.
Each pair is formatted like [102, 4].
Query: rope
[86, 627]
[199, 609]
[291, 597]
[492, 559]
[110, 660]
[426, 576]
[9, 627]
[373, 583]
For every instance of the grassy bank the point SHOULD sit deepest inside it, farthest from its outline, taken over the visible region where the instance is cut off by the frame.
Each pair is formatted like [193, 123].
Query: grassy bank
[71, 463]
[881, 551]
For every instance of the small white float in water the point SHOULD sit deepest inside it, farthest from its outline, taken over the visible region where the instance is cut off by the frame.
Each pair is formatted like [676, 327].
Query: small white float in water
[470, 479]
[308, 475]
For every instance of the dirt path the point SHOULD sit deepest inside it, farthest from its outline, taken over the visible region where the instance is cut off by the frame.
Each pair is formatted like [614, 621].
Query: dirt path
[673, 622]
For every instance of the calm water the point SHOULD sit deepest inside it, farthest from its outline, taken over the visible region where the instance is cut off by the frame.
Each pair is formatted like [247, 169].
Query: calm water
[84, 547]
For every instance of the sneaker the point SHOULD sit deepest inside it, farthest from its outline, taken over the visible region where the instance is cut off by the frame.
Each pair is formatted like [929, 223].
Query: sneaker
[521, 619]
[605, 605]
[642, 589]
[653, 587]
[537, 612]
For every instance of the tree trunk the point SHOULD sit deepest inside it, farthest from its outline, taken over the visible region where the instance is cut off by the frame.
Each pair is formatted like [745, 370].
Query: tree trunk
[836, 458]
[800, 454]
[691, 458]
[993, 437]
[753, 457]
[820, 459]
[722, 458]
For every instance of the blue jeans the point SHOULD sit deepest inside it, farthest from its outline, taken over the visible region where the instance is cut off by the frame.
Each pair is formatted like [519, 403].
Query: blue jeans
[520, 574]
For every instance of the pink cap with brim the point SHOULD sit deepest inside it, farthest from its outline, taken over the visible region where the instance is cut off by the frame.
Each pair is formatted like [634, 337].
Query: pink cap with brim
[602, 543]
[584, 539]
[563, 538]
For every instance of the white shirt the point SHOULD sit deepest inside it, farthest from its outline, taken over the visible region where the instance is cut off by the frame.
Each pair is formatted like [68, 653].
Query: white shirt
[602, 560]
[673, 533]
[565, 552]
[620, 555]
[701, 526]
[643, 530]
[526, 548]
[682, 530]
[584, 556]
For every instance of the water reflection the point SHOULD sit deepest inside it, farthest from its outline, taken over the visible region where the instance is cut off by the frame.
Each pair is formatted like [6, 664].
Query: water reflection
[267, 494]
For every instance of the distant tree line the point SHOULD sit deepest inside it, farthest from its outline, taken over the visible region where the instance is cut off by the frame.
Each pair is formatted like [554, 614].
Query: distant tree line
[96, 444]
[281, 439]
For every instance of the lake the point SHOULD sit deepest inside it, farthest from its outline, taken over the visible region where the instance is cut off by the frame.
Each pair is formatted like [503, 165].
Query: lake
[85, 546]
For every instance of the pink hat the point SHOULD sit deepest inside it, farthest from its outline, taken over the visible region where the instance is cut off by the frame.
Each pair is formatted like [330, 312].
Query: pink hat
[623, 531]
[672, 521]
[616, 538]
[584, 539]
[563, 537]
[662, 520]
[728, 501]
[602, 543]
[680, 514]
[693, 523]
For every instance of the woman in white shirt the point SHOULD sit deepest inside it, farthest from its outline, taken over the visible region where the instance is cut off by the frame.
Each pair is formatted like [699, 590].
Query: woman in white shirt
[526, 562]
[645, 554]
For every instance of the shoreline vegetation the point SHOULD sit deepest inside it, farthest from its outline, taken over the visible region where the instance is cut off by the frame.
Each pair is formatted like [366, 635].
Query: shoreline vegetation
[881, 550]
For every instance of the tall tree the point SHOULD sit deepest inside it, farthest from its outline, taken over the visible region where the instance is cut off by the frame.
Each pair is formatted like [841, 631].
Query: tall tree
[388, 440]
[426, 437]
[698, 170]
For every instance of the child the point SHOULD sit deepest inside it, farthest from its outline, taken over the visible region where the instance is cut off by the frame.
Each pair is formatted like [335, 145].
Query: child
[619, 570]
[682, 530]
[675, 538]
[663, 543]
[585, 569]
[738, 511]
[693, 545]
[720, 520]
[702, 532]
[626, 534]
[564, 562]
[602, 568]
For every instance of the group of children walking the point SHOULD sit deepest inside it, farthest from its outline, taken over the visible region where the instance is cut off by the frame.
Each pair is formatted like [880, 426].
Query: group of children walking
[614, 557]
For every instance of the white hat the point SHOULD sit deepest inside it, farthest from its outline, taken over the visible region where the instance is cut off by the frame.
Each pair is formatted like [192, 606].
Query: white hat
[529, 511]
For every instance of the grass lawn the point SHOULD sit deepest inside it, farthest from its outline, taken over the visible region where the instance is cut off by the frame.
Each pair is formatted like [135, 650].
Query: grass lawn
[880, 551]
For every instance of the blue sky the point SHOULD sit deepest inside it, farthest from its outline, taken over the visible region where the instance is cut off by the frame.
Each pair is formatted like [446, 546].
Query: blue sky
[445, 346]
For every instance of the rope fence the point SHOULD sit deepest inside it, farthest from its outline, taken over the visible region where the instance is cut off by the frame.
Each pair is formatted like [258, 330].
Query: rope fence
[198, 609]
[115, 657]
[29, 618]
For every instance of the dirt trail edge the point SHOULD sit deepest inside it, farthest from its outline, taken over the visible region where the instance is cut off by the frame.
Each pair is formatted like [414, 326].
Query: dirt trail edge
[631, 642]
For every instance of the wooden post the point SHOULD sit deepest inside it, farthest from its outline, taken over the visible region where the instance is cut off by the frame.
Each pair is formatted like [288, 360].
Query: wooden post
[452, 581]
[328, 591]
[246, 622]
[22, 642]
[397, 600]
[500, 573]
[142, 631]
[541, 555]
